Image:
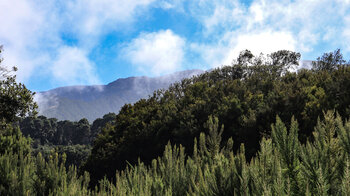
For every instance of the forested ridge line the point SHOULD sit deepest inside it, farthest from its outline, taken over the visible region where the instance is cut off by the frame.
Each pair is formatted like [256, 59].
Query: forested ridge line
[245, 96]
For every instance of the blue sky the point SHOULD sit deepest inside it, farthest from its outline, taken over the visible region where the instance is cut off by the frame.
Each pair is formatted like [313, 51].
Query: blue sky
[85, 42]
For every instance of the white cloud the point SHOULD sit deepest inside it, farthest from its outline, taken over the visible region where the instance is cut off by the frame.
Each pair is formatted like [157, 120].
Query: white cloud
[23, 30]
[267, 26]
[225, 17]
[178, 5]
[258, 14]
[46, 101]
[97, 16]
[262, 42]
[212, 55]
[217, 15]
[26, 63]
[31, 32]
[166, 5]
[346, 33]
[21, 20]
[72, 66]
[156, 53]
[229, 47]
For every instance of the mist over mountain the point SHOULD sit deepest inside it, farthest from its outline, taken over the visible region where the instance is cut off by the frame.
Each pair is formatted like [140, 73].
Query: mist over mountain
[91, 102]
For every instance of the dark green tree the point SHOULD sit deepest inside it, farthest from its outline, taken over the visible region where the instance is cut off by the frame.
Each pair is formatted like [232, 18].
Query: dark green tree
[15, 99]
[329, 61]
[285, 59]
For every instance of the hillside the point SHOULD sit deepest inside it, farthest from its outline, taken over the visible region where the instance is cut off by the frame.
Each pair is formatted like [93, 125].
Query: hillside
[245, 99]
[235, 130]
[91, 102]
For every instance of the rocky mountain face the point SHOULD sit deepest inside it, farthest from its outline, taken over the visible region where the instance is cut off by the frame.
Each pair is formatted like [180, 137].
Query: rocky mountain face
[91, 102]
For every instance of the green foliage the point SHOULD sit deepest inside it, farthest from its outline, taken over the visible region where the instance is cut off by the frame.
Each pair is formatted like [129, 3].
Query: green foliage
[75, 154]
[50, 131]
[15, 99]
[12, 140]
[246, 97]
[16, 174]
[278, 168]
[71, 138]
[52, 177]
[282, 166]
[329, 61]
[16, 167]
[287, 147]
[322, 158]
[23, 174]
[217, 160]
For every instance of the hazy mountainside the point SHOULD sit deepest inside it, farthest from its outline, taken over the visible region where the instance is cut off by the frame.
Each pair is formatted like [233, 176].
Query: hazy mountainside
[77, 102]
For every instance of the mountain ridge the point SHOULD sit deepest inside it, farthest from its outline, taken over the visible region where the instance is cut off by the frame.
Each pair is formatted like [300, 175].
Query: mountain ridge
[93, 101]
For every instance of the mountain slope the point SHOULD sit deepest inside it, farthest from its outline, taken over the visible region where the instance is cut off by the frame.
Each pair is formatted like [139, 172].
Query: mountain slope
[77, 102]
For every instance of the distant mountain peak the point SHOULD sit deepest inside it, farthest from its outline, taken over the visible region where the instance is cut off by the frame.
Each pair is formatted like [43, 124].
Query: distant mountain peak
[91, 102]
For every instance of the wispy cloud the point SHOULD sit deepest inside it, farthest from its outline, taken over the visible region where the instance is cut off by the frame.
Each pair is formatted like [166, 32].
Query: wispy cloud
[91, 19]
[73, 66]
[23, 32]
[346, 32]
[46, 101]
[266, 42]
[156, 53]
[265, 26]
[35, 33]
[32, 34]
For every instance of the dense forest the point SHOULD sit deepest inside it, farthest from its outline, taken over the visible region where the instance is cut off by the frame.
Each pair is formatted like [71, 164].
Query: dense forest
[72, 138]
[255, 127]
[246, 97]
